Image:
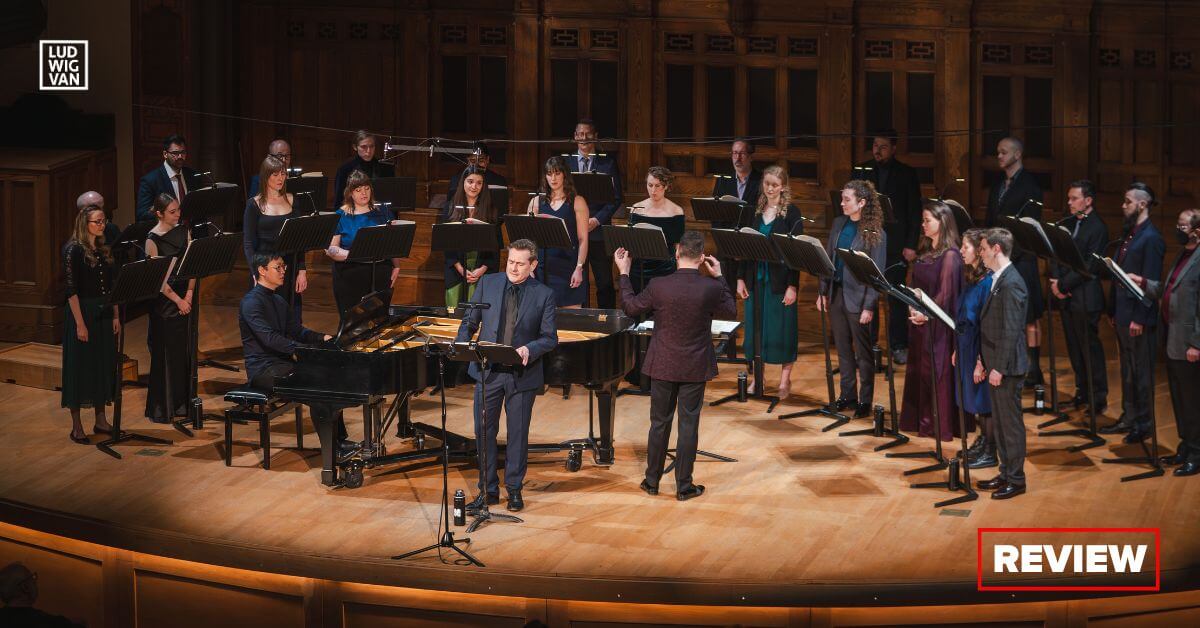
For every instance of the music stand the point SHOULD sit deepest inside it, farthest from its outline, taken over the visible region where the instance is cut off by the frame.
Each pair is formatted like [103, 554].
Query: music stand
[313, 189]
[723, 212]
[1151, 458]
[401, 192]
[500, 196]
[136, 281]
[1067, 254]
[486, 355]
[1030, 236]
[198, 206]
[806, 254]
[465, 236]
[595, 187]
[382, 242]
[962, 219]
[864, 269]
[134, 236]
[642, 243]
[299, 235]
[203, 257]
[749, 247]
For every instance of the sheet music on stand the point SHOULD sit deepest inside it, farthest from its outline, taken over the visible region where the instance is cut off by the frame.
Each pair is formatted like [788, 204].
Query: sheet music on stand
[719, 329]
[309, 193]
[932, 307]
[1028, 235]
[401, 192]
[595, 187]
[1065, 249]
[726, 210]
[1122, 277]
[547, 232]
[643, 241]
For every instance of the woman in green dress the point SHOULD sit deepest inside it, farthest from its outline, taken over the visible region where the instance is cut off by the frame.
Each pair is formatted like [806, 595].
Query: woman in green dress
[90, 324]
[774, 284]
[471, 202]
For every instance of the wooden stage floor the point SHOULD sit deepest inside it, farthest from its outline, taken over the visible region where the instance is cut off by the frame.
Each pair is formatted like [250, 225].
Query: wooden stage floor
[800, 507]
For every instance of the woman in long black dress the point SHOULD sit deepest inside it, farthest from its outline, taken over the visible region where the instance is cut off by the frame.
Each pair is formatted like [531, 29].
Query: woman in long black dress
[262, 223]
[354, 280]
[90, 325]
[563, 269]
[662, 212]
[471, 202]
[167, 396]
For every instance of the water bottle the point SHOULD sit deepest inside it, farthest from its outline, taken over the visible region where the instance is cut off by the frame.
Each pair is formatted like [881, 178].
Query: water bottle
[460, 507]
[878, 426]
[1039, 400]
[742, 386]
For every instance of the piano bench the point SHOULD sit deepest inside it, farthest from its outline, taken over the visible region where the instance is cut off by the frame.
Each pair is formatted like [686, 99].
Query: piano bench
[254, 404]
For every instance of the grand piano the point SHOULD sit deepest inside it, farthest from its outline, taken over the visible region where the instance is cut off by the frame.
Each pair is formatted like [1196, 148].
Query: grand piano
[380, 351]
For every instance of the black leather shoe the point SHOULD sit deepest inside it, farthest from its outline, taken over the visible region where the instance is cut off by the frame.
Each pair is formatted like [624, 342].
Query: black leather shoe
[347, 448]
[977, 446]
[984, 460]
[992, 484]
[1120, 427]
[1008, 491]
[649, 490]
[692, 492]
[900, 356]
[862, 411]
[515, 503]
[1188, 468]
[476, 504]
[1078, 401]
[843, 403]
[1135, 435]
[1176, 459]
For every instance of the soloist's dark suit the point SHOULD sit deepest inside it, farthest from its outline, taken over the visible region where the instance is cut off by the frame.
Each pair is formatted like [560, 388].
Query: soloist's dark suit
[598, 261]
[1015, 202]
[680, 359]
[1081, 310]
[1002, 348]
[1141, 253]
[898, 181]
[536, 328]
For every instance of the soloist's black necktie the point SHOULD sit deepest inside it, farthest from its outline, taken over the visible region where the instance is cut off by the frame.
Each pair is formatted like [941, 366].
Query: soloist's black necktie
[510, 315]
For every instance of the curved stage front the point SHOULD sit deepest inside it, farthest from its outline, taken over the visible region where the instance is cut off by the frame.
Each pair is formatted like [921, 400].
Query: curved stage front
[806, 528]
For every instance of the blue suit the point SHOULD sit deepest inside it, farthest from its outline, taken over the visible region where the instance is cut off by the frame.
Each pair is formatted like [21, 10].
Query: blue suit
[1143, 256]
[156, 182]
[1144, 252]
[598, 261]
[515, 387]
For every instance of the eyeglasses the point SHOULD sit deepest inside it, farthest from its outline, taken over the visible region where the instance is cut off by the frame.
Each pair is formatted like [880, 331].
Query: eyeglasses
[1184, 228]
[177, 153]
[281, 155]
[279, 267]
[102, 221]
[738, 153]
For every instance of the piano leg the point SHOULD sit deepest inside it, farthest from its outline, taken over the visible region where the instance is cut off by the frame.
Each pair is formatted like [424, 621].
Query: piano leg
[324, 419]
[606, 398]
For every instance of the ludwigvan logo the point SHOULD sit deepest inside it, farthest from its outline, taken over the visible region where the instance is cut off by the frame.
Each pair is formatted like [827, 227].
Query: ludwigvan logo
[1102, 559]
[63, 65]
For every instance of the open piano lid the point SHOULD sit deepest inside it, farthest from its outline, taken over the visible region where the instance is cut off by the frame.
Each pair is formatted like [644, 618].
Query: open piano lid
[362, 319]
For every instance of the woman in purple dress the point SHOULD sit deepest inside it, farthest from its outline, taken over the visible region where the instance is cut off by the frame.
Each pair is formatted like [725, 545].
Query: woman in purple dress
[938, 272]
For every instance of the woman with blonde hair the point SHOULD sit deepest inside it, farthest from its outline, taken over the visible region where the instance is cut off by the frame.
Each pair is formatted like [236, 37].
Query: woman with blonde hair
[90, 325]
[776, 283]
[938, 272]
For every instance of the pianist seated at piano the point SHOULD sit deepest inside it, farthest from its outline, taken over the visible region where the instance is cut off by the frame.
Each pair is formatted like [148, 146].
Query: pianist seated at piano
[270, 334]
[521, 313]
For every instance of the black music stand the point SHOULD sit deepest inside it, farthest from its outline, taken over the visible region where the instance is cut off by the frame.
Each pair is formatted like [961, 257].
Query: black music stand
[595, 187]
[867, 273]
[134, 237]
[962, 220]
[446, 538]
[465, 236]
[806, 254]
[749, 247]
[1151, 458]
[642, 243]
[204, 257]
[401, 192]
[1067, 254]
[500, 198]
[136, 281]
[486, 355]
[1031, 237]
[312, 189]
[299, 235]
[195, 212]
[723, 212]
[377, 243]
[546, 233]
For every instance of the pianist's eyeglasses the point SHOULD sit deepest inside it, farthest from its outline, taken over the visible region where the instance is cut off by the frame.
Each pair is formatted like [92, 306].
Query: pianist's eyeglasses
[279, 267]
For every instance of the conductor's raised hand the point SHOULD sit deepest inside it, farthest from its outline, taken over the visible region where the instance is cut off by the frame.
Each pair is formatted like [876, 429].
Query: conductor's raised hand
[711, 265]
[623, 259]
[524, 353]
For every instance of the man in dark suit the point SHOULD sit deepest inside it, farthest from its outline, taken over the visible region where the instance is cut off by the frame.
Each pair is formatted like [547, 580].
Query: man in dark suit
[680, 360]
[1180, 294]
[521, 314]
[172, 177]
[586, 159]
[745, 184]
[897, 181]
[1019, 194]
[482, 159]
[1081, 300]
[1003, 362]
[1141, 253]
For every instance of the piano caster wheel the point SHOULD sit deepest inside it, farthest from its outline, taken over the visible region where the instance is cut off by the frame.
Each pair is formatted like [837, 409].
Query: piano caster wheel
[574, 460]
[419, 440]
[352, 475]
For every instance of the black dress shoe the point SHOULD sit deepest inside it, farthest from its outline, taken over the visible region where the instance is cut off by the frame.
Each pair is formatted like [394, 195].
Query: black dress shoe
[843, 403]
[992, 484]
[515, 503]
[1008, 491]
[900, 356]
[1188, 468]
[477, 504]
[974, 449]
[691, 492]
[1119, 427]
[1135, 435]
[649, 490]
[1176, 459]
[1078, 401]
[347, 448]
[862, 411]
[984, 460]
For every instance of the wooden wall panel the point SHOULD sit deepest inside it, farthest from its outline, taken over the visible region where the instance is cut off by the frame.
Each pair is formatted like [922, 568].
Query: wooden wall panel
[68, 584]
[180, 602]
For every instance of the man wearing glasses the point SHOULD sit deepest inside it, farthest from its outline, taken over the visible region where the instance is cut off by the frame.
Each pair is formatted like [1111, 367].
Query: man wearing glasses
[173, 177]
[746, 183]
